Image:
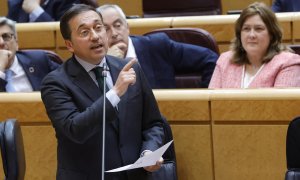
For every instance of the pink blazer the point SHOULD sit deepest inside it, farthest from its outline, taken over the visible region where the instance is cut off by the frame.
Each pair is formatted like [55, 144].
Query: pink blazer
[282, 71]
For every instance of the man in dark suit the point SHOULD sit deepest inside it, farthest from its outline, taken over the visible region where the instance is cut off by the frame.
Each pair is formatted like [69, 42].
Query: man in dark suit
[26, 68]
[74, 104]
[286, 5]
[158, 55]
[38, 10]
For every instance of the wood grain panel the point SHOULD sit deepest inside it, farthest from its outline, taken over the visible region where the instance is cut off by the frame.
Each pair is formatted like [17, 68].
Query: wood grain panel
[296, 26]
[40, 151]
[185, 110]
[130, 7]
[142, 25]
[24, 111]
[249, 152]
[193, 151]
[259, 110]
[3, 12]
[36, 39]
[239, 5]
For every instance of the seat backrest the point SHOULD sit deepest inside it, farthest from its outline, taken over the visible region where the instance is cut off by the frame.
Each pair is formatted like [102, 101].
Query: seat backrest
[295, 47]
[167, 8]
[52, 55]
[195, 36]
[12, 150]
[292, 174]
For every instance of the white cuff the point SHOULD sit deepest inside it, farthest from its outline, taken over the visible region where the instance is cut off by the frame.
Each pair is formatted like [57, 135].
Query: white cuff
[113, 97]
[35, 13]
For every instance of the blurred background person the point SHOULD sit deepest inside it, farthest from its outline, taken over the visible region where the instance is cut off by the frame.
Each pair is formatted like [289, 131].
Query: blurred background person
[41, 10]
[257, 57]
[158, 55]
[286, 5]
[20, 71]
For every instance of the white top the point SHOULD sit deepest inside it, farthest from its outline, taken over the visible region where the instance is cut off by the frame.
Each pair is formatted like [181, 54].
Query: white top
[20, 81]
[111, 95]
[131, 50]
[248, 78]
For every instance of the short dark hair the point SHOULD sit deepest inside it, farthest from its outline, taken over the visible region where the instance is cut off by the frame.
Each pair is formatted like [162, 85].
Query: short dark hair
[271, 22]
[70, 14]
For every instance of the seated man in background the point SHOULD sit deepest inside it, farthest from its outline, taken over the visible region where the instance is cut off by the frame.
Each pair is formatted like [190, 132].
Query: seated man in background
[41, 10]
[158, 55]
[20, 71]
[286, 5]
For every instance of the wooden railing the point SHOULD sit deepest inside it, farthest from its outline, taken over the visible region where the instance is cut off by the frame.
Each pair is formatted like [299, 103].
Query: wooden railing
[218, 134]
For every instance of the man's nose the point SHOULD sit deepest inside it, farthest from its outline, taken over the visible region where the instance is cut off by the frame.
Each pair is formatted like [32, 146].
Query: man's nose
[114, 33]
[94, 34]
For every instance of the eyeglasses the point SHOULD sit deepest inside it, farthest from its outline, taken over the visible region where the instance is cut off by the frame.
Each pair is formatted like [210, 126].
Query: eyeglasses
[7, 36]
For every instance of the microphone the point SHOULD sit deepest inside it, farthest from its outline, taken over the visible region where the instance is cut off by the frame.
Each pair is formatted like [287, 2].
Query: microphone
[104, 75]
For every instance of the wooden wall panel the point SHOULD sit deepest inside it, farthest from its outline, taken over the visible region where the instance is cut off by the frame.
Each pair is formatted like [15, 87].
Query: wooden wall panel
[25, 112]
[193, 151]
[142, 25]
[3, 7]
[36, 40]
[130, 7]
[252, 152]
[239, 5]
[241, 136]
[40, 151]
[255, 110]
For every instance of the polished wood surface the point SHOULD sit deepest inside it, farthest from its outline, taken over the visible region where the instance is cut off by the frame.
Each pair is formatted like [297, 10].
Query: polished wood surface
[218, 134]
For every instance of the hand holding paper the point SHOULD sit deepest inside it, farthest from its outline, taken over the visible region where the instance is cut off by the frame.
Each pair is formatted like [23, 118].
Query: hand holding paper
[148, 160]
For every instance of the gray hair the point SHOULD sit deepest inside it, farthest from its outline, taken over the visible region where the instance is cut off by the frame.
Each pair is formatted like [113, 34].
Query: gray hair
[10, 23]
[113, 6]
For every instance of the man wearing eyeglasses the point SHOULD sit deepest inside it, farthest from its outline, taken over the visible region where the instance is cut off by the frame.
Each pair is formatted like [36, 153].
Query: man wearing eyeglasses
[20, 71]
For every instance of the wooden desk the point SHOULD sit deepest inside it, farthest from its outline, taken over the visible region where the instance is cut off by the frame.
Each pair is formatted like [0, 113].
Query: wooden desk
[218, 134]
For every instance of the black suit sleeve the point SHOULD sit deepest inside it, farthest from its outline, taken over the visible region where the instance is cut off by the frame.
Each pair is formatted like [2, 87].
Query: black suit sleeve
[68, 113]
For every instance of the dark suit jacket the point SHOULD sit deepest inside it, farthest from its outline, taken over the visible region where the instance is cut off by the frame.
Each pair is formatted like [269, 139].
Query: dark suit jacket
[160, 57]
[286, 5]
[54, 9]
[75, 105]
[36, 65]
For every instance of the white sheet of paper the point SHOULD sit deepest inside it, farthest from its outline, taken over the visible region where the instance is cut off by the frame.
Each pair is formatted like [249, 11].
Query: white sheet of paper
[144, 161]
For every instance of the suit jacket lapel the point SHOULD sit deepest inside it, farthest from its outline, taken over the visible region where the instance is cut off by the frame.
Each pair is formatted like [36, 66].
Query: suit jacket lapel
[115, 66]
[30, 71]
[82, 79]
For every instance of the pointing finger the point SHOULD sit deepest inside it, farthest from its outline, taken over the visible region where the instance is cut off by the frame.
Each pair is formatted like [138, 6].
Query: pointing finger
[129, 64]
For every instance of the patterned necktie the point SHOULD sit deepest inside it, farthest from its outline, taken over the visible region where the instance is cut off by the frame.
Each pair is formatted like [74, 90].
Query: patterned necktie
[98, 73]
[8, 77]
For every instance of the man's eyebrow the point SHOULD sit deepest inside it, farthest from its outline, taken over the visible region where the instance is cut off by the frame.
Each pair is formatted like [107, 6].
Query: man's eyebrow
[118, 20]
[84, 24]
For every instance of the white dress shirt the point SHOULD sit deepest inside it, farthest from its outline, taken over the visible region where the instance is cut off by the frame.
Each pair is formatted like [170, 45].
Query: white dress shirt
[111, 95]
[20, 80]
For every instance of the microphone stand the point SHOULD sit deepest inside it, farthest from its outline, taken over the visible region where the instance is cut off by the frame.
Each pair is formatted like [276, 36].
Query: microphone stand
[104, 74]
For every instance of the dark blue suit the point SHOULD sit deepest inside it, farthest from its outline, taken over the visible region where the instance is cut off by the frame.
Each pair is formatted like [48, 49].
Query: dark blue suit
[286, 5]
[74, 105]
[54, 9]
[37, 61]
[160, 57]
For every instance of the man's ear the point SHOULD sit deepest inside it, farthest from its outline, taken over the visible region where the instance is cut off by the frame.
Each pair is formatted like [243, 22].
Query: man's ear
[69, 45]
